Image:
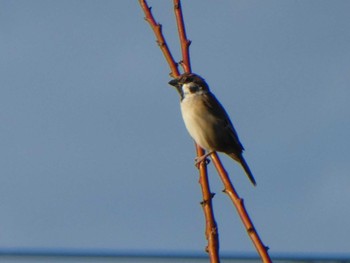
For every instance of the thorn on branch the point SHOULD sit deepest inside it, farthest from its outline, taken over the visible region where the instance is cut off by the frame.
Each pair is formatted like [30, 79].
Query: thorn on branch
[241, 201]
[161, 44]
[189, 42]
[171, 73]
[205, 202]
[159, 28]
[214, 230]
[177, 5]
[251, 230]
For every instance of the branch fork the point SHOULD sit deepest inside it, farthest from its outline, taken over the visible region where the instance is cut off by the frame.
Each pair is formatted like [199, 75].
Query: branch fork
[211, 231]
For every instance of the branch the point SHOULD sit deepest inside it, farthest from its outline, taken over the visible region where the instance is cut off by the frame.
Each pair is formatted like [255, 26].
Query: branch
[157, 29]
[239, 204]
[185, 43]
[211, 229]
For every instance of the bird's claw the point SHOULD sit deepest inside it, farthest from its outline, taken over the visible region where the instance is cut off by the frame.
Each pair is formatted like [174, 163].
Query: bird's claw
[198, 160]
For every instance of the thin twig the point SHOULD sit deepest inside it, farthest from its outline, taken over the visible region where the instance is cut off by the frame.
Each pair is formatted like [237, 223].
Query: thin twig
[211, 229]
[157, 29]
[239, 204]
[185, 43]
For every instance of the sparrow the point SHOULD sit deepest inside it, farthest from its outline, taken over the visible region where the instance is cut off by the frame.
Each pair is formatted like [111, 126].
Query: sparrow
[207, 121]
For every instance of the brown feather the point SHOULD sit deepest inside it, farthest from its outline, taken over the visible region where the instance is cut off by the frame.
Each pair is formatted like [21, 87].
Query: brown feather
[215, 108]
[245, 166]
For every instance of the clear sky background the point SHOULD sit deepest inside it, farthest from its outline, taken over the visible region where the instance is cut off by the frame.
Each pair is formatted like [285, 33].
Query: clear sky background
[93, 150]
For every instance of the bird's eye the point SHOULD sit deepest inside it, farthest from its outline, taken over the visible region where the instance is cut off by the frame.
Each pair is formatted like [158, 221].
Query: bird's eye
[194, 89]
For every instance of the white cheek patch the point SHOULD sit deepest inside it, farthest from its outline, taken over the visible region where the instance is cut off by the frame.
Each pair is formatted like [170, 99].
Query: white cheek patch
[196, 90]
[186, 88]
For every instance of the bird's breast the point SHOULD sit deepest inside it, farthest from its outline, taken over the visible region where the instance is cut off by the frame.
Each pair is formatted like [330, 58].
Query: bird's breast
[198, 121]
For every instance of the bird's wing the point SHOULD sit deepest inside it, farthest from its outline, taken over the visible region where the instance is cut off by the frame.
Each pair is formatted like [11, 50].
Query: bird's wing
[219, 112]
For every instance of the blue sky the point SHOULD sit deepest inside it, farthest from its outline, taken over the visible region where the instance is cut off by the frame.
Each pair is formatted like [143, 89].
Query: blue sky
[94, 153]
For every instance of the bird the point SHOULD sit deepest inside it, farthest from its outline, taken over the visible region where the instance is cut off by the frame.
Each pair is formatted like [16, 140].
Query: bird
[207, 121]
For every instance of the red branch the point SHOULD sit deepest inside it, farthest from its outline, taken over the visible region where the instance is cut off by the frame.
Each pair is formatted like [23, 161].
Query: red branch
[239, 204]
[157, 29]
[211, 229]
[185, 43]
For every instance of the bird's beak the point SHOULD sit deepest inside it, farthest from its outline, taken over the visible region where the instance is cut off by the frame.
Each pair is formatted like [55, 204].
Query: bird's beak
[174, 82]
[177, 84]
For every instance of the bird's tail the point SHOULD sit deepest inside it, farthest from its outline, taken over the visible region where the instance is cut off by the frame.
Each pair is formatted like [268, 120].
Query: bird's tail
[245, 166]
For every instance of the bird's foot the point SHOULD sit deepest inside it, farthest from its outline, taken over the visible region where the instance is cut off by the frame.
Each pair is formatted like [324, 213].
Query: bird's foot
[198, 160]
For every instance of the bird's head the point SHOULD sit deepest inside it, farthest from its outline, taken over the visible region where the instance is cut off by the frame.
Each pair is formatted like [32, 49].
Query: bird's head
[189, 84]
